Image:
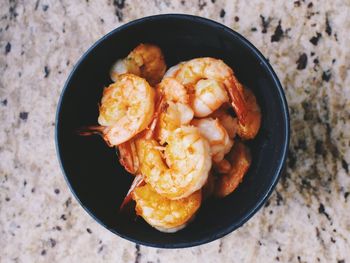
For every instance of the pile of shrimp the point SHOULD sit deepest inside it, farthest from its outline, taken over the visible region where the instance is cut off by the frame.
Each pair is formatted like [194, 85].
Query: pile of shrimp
[181, 132]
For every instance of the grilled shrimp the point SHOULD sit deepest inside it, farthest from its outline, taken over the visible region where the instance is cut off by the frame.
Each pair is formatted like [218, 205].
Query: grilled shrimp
[216, 74]
[127, 108]
[183, 167]
[252, 123]
[217, 136]
[176, 111]
[146, 60]
[240, 160]
[162, 213]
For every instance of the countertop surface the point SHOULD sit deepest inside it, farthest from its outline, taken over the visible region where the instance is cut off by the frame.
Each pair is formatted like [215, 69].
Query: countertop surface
[307, 218]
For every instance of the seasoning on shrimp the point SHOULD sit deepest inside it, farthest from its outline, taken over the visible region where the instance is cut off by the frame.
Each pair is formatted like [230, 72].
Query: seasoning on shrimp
[176, 111]
[184, 168]
[126, 109]
[194, 70]
[162, 213]
[146, 61]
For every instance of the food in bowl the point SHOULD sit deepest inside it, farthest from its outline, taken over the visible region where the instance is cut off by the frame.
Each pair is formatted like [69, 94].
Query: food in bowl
[175, 131]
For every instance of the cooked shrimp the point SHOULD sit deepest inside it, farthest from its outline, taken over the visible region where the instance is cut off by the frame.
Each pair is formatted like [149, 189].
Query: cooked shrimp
[240, 160]
[128, 156]
[208, 96]
[223, 166]
[171, 72]
[127, 108]
[185, 166]
[192, 71]
[176, 111]
[173, 90]
[252, 123]
[217, 136]
[162, 213]
[230, 123]
[146, 60]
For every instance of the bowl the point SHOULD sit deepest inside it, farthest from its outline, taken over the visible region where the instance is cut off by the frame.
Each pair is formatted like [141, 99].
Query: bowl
[91, 168]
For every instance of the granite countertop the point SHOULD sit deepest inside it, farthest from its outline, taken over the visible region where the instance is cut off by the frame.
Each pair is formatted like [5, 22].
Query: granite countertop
[307, 219]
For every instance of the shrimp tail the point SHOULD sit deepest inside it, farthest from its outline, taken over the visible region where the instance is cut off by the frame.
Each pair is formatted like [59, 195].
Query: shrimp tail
[95, 130]
[237, 99]
[139, 180]
[128, 156]
[160, 107]
[91, 130]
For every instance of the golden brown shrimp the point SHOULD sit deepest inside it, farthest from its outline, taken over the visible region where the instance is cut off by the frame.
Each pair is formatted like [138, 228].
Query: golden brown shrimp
[208, 96]
[183, 167]
[217, 136]
[126, 109]
[172, 71]
[162, 213]
[230, 123]
[146, 60]
[252, 123]
[176, 111]
[192, 71]
[240, 160]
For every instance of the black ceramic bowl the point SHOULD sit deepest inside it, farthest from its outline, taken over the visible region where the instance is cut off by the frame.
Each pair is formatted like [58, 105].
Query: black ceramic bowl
[92, 169]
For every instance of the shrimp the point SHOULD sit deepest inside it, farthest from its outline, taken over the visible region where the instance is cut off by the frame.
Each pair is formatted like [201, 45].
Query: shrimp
[251, 127]
[127, 151]
[127, 107]
[217, 136]
[240, 160]
[164, 214]
[171, 72]
[183, 167]
[208, 96]
[146, 60]
[211, 69]
[176, 111]
[128, 156]
[230, 123]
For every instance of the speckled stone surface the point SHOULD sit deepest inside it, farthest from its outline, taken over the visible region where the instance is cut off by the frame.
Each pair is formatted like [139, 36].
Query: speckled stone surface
[307, 219]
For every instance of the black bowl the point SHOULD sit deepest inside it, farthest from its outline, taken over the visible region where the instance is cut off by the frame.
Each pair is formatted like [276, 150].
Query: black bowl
[91, 168]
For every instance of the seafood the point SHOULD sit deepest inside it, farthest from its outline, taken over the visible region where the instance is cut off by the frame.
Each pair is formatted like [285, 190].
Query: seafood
[171, 72]
[185, 166]
[128, 156]
[178, 161]
[251, 126]
[230, 123]
[126, 109]
[240, 160]
[208, 96]
[217, 136]
[194, 70]
[176, 111]
[162, 213]
[146, 61]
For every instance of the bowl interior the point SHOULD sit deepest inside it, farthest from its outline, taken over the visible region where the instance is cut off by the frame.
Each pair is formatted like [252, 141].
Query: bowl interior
[92, 169]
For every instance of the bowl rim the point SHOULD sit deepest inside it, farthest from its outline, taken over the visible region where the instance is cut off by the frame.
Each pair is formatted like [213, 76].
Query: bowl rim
[282, 98]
